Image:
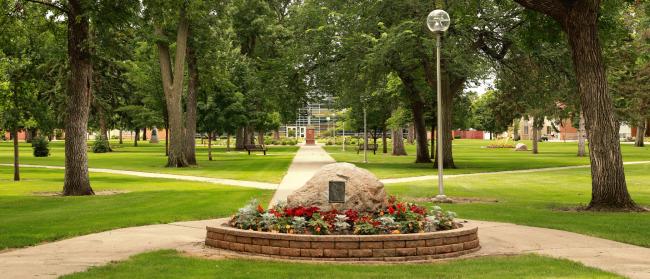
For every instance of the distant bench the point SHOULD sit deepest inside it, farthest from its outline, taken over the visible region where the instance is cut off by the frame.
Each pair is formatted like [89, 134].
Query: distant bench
[372, 147]
[255, 147]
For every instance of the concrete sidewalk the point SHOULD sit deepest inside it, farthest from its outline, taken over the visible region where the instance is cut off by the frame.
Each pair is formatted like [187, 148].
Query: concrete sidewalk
[231, 182]
[77, 254]
[433, 177]
[308, 160]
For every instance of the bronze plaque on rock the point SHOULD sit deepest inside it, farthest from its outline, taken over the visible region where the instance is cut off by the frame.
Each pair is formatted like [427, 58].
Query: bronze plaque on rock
[337, 192]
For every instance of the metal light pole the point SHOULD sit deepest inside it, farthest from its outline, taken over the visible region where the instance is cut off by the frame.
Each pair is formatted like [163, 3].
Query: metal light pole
[438, 22]
[365, 136]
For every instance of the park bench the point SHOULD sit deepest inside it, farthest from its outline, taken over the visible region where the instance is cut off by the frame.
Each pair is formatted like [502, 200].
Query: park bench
[371, 146]
[255, 147]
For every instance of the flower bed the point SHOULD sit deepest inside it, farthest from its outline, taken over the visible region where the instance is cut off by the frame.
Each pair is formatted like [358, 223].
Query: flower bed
[396, 218]
[401, 232]
[387, 247]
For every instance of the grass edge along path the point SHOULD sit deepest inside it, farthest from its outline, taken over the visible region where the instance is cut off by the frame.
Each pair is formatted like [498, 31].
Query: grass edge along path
[29, 219]
[171, 264]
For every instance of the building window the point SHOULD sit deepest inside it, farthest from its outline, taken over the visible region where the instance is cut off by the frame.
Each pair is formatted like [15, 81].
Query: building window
[526, 129]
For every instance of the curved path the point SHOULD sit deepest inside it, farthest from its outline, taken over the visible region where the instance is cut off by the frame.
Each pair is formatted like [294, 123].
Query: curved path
[432, 177]
[231, 182]
[77, 254]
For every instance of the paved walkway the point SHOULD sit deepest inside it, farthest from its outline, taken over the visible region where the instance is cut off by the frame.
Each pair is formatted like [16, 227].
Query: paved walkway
[78, 254]
[306, 163]
[432, 177]
[231, 182]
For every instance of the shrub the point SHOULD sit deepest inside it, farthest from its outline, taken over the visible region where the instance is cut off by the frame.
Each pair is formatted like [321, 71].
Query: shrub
[101, 145]
[41, 147]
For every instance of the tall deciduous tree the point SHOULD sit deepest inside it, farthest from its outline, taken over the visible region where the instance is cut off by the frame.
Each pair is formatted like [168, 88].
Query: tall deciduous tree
[579, 19]
[172, 79]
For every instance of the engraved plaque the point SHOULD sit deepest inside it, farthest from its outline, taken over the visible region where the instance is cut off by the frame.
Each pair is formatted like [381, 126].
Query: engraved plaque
[337, 192]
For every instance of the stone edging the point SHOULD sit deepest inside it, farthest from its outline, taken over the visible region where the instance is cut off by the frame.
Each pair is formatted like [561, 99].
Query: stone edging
[395, 247]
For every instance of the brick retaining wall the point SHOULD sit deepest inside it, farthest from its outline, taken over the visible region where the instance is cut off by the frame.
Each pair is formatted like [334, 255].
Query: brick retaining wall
[396, 247]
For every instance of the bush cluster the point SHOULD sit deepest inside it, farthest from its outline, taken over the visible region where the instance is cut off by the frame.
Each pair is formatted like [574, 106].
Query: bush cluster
[101, 145]
[41, 147]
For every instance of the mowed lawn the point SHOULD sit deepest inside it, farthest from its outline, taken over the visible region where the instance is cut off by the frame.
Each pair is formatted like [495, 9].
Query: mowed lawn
[151, 158]
[28, 218]
[543, 199]
[170, 264]
[471, 156]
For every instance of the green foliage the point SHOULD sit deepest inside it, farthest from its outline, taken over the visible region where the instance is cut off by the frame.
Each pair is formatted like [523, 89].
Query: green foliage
[41, 147]
[101, 145]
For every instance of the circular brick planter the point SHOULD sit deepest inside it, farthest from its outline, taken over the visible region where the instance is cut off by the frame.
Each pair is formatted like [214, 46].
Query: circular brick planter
[396, 247]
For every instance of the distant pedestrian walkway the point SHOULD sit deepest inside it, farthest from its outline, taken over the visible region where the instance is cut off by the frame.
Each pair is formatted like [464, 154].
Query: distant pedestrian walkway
[307, 162]
[231, 182]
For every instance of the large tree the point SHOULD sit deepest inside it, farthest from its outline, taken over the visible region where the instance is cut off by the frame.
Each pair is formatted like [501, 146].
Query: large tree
[173, 75]
[579, 20]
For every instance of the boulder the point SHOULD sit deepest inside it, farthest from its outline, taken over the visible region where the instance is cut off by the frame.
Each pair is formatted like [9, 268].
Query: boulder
[363, 191]
[521, 147]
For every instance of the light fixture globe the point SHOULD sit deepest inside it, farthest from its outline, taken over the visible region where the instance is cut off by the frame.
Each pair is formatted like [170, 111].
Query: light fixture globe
[438, 21]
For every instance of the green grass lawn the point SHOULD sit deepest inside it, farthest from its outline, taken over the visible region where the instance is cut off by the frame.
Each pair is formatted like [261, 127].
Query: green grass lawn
[470, 156]
[151, 158]
[537, 199]
[27, 219]
[170, 264]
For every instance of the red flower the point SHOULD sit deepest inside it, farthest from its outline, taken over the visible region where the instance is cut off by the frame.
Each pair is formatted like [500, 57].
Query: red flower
[275, 212]
[299, 211]
[391, 210]
[353, 215]
[260, 209]
[288, 212]
[401, 207]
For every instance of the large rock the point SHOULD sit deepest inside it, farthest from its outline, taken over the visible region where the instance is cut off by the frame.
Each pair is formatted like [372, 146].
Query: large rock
[363, 191]
[521, 147]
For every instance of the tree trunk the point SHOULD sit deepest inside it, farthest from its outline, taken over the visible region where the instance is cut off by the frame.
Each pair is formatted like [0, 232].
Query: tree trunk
[410, 136]
[449, 89]
[433, 139]
[609, 189]
[398, 143]
[535, 140]
[167, 140]
[240, 138]
[14, 135]
[77, 181]
[103, 131]
[173, 89]
[515, 130]
[210, 146]
[248, 135]
[144, 134]
[276, 134]
[640, 134]
[417, 109]
[228, 143]
[581, 136]
[190, 111]
[137, 137]
[121, 141]
[260, 137]
[383, 141]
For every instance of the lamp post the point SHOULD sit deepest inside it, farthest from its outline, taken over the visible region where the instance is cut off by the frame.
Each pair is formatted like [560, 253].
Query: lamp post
[438, 22]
